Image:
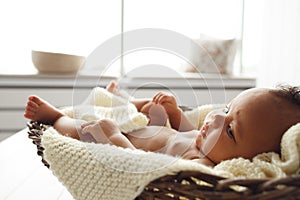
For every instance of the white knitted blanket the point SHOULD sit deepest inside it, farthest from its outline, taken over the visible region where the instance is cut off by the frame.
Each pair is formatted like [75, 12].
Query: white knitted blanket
[102, 104]
[102, 171]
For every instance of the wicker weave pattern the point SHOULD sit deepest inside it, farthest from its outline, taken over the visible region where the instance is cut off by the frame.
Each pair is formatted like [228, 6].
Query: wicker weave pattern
[195, 185]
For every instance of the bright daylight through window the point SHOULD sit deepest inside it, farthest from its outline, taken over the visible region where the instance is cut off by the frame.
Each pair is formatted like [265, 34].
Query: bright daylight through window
[78, 27]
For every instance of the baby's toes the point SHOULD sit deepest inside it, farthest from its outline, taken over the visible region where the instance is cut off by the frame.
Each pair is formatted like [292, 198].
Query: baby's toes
[36, 100]
[32, 106]
[29, 113]
[112, 87]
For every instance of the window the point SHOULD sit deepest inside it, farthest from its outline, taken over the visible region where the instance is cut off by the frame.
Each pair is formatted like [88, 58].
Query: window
[62, 26]
[252, 37]
[78, 27]
[192, 18]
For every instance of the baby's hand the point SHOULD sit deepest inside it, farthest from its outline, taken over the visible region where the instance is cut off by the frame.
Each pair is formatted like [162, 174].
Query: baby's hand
[170, 105]
[101, 129]
[167, 101]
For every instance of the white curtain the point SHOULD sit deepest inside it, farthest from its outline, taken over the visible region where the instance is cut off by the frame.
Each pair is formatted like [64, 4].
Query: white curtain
[280, 59]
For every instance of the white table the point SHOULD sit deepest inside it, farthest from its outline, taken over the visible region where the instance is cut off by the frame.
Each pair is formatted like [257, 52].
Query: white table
[23, 175]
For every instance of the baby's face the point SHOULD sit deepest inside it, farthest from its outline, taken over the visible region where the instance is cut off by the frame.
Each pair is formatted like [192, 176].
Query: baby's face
[249, 125]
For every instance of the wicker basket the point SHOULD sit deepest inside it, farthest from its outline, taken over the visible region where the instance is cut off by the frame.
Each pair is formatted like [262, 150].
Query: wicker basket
[195, 185]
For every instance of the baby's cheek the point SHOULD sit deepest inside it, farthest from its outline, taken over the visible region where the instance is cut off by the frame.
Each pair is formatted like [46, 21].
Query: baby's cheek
[211, 144]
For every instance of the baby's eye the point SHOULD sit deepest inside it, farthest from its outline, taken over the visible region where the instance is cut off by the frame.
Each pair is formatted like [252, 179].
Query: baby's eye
[230, 133]
[226, 110]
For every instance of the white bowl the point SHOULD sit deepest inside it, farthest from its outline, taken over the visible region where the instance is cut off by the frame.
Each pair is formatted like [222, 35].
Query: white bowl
[48, 62]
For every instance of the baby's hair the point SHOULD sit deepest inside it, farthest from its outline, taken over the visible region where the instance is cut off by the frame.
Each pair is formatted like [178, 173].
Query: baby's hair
[291, 93]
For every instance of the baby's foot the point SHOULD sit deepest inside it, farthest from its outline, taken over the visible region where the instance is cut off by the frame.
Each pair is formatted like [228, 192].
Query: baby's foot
[112, 87]
[39, 110]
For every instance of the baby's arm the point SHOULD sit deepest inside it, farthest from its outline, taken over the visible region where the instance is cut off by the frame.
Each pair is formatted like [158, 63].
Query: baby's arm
[106, 131]
[177, 118]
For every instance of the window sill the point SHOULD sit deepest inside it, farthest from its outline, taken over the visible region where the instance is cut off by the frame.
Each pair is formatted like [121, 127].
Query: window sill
[89, 81]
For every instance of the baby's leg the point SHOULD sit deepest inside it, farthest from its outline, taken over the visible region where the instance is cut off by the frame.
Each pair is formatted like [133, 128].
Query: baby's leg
[72, 128]
[39, 110]
[107, 131]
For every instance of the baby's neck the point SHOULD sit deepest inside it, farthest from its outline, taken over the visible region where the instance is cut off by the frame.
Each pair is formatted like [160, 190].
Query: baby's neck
[205, 161]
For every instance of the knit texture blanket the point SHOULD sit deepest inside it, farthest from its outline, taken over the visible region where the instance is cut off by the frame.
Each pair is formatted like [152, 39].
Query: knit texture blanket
[103, 171]
[102, 104]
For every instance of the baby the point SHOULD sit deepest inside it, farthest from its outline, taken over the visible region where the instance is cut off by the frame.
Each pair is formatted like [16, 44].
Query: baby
[252, 123]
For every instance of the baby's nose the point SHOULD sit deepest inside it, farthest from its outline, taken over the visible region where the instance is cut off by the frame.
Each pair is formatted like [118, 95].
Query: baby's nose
[218, 118]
